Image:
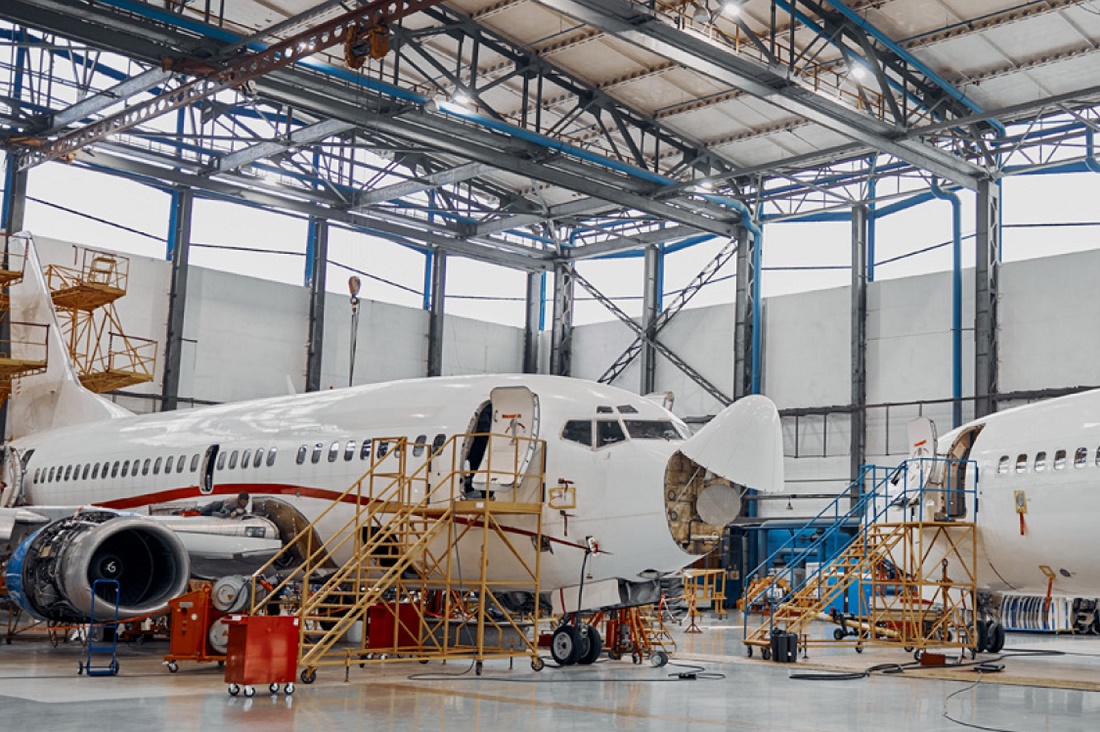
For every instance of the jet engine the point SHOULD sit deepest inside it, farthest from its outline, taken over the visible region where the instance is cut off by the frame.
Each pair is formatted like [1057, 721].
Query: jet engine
[51, 573]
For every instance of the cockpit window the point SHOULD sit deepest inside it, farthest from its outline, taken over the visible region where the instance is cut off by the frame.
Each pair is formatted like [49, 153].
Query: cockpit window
[651, 429]
[627, 409]
[608, 432]
[578, 430]
[604, 409]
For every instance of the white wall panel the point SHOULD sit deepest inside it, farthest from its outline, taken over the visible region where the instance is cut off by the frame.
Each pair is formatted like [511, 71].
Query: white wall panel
[807, 348]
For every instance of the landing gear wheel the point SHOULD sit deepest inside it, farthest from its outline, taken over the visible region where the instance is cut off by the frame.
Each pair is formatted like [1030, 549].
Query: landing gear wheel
[288, 689]
[658, 659]
[766, 654]
[595, 646]
[173, 667]
[981, 640]
[273, 688]
[995, 637]
[477, 668]
[840, 634]
[249, 692]
[565, 645]
[308, 675]
[537, 664]
[234, 690]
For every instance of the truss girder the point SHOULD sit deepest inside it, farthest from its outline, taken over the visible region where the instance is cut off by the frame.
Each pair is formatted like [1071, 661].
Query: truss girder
[629, 23]
[640, 332]
[663, 318]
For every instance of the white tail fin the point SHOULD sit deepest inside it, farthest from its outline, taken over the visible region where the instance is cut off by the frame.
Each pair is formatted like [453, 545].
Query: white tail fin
[53, 398]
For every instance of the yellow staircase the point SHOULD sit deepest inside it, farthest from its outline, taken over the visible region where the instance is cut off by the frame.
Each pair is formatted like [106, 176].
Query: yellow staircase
[915, 580]
[394, 566]
[24, 352]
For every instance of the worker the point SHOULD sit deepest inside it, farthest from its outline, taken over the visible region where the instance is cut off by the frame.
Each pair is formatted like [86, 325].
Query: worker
[232, 507]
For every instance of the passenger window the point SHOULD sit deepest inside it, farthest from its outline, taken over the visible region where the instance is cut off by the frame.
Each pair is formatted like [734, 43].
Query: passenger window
[145, 466]
[232, 460]
[419, 445]
[1002, 465]
[608, 433]
[302, 451]
[383, 448]
[103, 473]
[50, 479]
[317, 450]
[221, 460]
[1040, 461]
[349, 451]
[1021, 463]
[126, 468]
[439, 441]
[168, 462]
[579, 431]
[259, 459]
[271, 456]
[87, 469]
[68, 471]
[1060, 460]
[36, 472]
[334, 451]
[1081, 457]
[156, 466]
[244, 458]
[95, 471]
[364, 451]
[194, 463]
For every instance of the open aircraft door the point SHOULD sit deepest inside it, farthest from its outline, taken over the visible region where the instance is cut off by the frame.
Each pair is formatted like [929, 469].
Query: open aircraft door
[512, 448]
[11, 487]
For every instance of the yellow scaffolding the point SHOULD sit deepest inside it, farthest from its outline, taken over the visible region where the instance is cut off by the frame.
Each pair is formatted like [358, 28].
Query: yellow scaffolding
[84, 298]
[24, 352]
[404, 592]
[916, 582]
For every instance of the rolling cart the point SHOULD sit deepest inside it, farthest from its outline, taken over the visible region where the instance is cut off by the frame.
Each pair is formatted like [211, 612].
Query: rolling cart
[110, 630]
[262, 649]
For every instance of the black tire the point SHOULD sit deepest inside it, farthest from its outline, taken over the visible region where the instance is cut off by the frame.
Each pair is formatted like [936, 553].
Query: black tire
[766, 654]
[594, 646]
[565, 645]
[308, 675]
[840, 634]
[995, 635]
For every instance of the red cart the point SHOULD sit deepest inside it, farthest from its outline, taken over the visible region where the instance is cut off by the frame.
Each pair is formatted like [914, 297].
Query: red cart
[263, 649]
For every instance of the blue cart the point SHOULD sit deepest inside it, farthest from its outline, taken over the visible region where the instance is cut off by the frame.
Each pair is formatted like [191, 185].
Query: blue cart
[108, 647]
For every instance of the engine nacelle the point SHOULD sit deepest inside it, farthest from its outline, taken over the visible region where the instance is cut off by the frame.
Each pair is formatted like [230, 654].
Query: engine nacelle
[51, 573]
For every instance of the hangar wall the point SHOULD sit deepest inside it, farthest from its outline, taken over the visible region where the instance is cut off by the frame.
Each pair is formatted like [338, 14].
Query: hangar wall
[246, 337]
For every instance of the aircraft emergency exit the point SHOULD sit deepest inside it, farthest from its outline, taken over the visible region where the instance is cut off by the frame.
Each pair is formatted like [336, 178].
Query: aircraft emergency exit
[90, 490]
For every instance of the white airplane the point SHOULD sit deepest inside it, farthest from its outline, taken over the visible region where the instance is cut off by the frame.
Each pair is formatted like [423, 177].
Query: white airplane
[88, 485]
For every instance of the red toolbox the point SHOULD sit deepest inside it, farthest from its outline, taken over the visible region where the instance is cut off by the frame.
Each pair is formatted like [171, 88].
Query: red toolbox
[393, 627]
[263, 649]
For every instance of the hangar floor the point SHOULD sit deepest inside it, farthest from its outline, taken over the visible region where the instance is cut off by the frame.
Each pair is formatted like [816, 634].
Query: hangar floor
[40, 690]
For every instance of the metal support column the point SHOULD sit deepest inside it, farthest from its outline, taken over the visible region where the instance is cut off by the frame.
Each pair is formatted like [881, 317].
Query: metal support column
[435, 319]
[561, 342]
[743, 315]
[179, 252]
[316, 263]
[651, 306]
[859, 341]
[15, 196]
[531, 324]
[987, 241]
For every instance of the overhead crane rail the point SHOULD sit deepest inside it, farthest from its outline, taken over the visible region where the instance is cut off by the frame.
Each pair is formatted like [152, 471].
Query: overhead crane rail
[907, 577]
[412, 556]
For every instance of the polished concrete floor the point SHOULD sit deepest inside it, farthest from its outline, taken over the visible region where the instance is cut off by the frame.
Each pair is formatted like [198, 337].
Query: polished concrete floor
[41, 690]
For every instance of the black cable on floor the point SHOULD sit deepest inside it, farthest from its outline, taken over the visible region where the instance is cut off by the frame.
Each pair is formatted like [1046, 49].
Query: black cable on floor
[971, 725]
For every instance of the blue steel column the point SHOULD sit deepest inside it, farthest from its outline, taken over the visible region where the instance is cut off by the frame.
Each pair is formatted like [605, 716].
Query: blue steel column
[435, 316]
[179, 252]
[860, 218]
[651, 306]
[956, 301]
[532, 322]
[987, 241]
[316, 268]
[742, 315]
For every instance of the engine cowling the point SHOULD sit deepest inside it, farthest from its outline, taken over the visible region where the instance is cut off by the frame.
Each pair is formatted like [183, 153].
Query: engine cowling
[51, 573]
